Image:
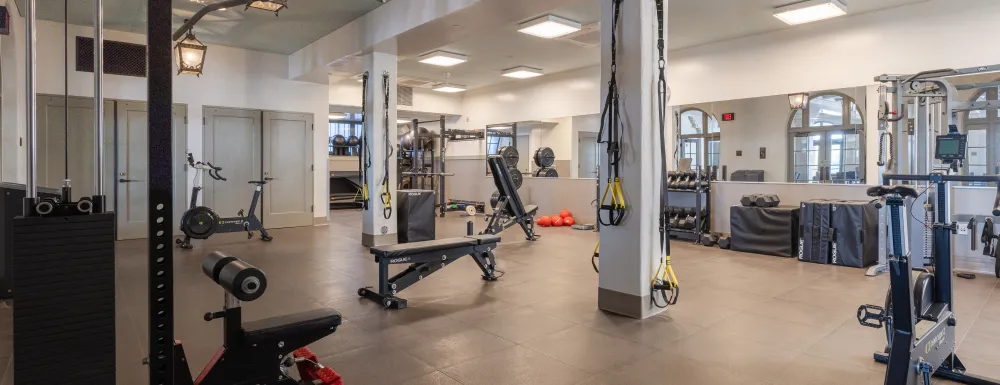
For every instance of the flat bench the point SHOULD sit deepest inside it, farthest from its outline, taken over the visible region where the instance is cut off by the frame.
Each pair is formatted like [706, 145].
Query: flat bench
[425, 258]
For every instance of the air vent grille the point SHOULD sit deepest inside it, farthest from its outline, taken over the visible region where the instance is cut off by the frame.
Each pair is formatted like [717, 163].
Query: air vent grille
[120, 58]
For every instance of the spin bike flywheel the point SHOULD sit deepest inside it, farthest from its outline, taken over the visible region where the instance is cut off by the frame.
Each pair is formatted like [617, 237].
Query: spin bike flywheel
[199, 223]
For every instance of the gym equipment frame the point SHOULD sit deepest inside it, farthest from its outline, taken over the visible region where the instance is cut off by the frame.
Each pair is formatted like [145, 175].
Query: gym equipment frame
[911, 358]
[200, 222]
[425, 258]
[258, 352]
[509, 210]
[416, 175]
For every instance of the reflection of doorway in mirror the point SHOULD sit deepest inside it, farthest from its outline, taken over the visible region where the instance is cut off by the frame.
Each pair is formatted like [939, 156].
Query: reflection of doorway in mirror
[523, 144]
[588, 155]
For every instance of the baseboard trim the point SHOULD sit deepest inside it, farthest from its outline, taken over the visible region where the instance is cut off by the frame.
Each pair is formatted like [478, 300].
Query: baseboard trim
[628, 305]
[370, 240]
[321, 221]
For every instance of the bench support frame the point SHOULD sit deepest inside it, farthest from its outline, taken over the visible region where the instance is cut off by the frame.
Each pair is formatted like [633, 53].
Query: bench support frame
[421, 266]
[499, 221]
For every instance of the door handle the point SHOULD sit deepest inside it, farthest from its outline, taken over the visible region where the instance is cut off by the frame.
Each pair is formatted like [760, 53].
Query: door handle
[268, 178]
[126, 180]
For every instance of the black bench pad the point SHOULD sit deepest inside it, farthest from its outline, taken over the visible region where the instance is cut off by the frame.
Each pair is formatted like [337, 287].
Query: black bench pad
[286, 326]
[405, 249]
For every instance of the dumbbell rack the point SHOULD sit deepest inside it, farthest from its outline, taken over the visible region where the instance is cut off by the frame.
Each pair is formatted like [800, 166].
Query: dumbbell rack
[701, 200]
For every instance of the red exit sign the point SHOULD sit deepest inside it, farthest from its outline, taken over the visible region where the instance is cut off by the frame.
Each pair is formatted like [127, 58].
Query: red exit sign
[728, 117]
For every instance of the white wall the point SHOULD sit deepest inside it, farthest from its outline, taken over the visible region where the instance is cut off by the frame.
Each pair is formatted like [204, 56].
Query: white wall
[13, 101]
[837, 53]
[233, 77]
[348, 93]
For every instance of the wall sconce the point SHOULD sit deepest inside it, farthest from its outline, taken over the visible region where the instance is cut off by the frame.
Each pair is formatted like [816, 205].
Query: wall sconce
[190, 55]
[797, 101]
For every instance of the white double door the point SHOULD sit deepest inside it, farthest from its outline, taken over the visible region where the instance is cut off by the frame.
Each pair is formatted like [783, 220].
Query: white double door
[125, 142]
[260, 145]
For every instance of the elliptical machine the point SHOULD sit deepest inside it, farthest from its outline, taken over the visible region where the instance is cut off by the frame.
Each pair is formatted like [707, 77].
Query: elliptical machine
[913, 358]
[200, 222]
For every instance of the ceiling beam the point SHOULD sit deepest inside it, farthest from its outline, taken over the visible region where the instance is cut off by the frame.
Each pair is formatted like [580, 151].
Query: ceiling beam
[410, 28]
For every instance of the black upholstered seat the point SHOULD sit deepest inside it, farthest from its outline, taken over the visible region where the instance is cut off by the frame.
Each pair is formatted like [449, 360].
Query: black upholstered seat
[292, 325]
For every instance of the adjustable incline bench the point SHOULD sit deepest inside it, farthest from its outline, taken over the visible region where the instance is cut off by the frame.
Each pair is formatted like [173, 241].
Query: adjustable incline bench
[508, 209]
[425, 258]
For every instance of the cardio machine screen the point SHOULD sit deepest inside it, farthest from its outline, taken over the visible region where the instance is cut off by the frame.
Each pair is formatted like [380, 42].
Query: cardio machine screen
[951, 147]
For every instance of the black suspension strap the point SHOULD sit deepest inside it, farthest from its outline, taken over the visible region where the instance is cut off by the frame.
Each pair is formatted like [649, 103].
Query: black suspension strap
[386, 193]
[664, 280]
[364, 153]
[610, 134]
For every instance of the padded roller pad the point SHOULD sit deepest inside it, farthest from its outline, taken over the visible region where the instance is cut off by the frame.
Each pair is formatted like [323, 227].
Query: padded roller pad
[405, 249]
[291, 325]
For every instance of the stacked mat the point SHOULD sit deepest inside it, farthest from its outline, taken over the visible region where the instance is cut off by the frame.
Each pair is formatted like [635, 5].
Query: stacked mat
[843, 233]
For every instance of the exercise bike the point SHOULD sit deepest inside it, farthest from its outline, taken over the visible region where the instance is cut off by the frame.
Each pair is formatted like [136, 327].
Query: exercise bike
[913, 359]
[200, 222]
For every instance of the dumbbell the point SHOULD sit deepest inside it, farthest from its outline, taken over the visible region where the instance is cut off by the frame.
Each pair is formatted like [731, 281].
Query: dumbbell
[672, 179]
[709, 240]
[692, 182]
[725, 242]
[767, 200]
[748, 200]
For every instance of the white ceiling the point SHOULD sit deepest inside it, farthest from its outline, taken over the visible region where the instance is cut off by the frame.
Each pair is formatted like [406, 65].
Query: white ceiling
[303, 22]
[690, 23]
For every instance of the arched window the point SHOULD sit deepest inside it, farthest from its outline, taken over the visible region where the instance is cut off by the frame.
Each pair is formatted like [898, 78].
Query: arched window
[700, 139]
[827, 141]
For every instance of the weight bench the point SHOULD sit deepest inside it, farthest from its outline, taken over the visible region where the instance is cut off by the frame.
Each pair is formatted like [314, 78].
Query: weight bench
[508, 209]
[425, 258]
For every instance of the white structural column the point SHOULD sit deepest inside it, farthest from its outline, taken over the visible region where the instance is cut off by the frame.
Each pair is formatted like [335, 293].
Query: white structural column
[630, 252]
[377, 229]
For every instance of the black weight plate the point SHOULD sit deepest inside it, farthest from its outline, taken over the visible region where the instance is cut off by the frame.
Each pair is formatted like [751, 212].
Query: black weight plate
[547, 173]
[516, 177]
[545, 157]
[510, 156]
[494, 199]
[199, 223]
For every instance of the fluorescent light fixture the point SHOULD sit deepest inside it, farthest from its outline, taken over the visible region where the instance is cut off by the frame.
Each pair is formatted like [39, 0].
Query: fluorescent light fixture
[443, 59]
[338, 116]
[549, 27]
[402, 121]
[809, 11]
[522, 72]
[449, 88]
[797, 101]
[269, 5]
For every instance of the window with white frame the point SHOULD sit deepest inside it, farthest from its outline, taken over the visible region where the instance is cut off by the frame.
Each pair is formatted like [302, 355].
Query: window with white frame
[828, 146]
[344, 135]
[982, 127]
[700, 138]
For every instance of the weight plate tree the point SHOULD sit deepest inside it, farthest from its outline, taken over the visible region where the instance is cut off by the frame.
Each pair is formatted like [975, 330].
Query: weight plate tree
[510, 156]
[545, 157]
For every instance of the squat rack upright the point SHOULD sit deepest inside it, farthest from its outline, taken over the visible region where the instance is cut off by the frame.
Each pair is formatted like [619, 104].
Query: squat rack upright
[417, 176]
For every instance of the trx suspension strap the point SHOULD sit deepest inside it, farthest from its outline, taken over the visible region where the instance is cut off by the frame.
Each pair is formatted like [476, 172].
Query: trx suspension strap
[611, 132]
[364, 153]
[386, 194]
[664, 281]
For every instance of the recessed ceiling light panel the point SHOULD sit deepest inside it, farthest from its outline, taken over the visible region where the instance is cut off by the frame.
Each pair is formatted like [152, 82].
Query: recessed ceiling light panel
[449, 88]
[443, 59]
[338, 116]
[549, 27]
[402, 121]
[810, 11]
[522, 72]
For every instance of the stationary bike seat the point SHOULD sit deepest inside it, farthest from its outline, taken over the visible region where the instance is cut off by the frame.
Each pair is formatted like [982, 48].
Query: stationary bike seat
[903, 191]
[258, 182]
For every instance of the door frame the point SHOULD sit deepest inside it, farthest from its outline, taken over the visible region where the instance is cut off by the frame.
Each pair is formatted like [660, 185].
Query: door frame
[310, 121]
[580, 135]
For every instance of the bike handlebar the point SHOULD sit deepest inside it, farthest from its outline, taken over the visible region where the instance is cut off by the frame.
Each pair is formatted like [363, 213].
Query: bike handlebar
[213, 171]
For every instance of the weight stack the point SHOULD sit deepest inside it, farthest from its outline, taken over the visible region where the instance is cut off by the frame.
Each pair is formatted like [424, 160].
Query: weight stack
[12, 196]
[815, 233]
[64, 315]
[416, 216]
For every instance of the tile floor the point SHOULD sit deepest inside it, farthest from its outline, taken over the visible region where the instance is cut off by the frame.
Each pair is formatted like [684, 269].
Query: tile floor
[742, 319]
